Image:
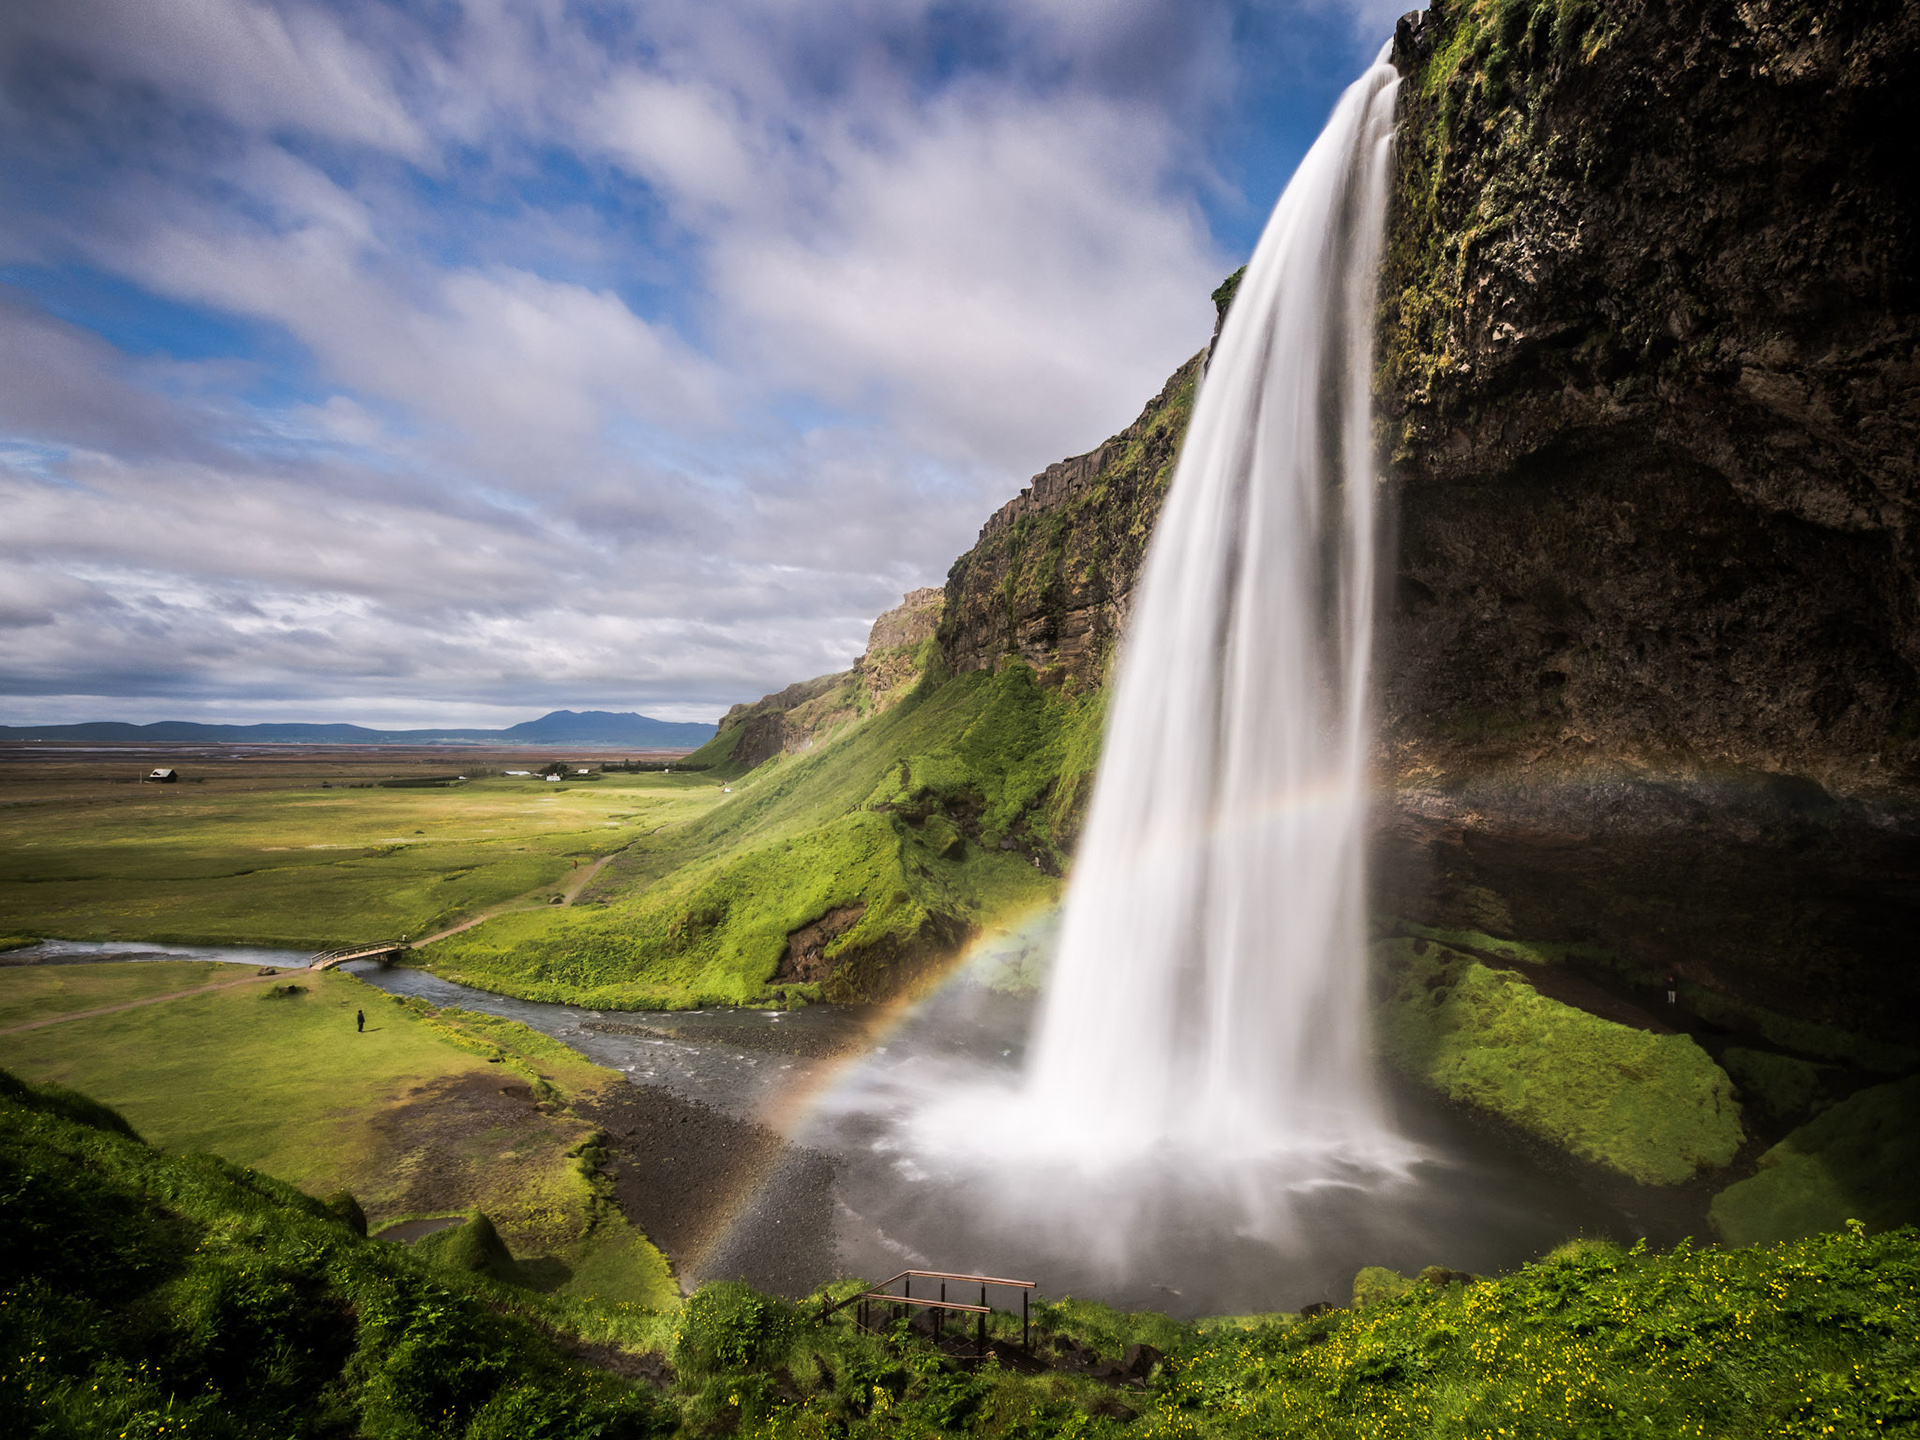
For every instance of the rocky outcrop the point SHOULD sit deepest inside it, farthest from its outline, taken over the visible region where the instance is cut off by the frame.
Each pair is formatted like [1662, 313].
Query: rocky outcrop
[1650, 675]
[1653, 392]
[753, 733]
[794, 720]
[1052, 574]
[897, 647]
[806, 959]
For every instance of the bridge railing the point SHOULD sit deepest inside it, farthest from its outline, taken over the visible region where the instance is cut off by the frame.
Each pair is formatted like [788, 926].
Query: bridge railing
[325, 959]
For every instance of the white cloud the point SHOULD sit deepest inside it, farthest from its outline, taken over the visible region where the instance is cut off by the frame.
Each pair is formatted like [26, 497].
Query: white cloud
[634, 363]
[265, 66]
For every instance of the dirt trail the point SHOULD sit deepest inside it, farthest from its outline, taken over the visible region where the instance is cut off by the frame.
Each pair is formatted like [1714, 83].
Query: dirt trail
[578, 881]
[149, 1000]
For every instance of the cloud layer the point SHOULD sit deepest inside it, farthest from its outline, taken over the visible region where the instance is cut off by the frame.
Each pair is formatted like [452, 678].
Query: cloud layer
[425, 363]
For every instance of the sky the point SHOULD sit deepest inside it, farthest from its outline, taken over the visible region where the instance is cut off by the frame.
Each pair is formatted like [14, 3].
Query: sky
[450, 362]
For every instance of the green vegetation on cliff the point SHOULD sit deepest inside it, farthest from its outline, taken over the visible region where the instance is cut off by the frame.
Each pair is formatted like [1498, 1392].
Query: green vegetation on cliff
[840, 872]
[1653, 1107]
[1858, 1160]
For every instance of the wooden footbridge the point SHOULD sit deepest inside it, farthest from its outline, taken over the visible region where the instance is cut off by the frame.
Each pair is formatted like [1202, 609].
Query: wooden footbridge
[385, 951]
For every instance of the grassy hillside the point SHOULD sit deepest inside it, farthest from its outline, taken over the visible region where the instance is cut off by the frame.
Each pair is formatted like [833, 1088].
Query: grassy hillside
[911, 830]
[149, 1295]
[428, 1112]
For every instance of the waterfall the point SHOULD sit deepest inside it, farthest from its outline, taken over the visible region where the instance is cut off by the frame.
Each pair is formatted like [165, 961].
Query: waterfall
[1209, 989]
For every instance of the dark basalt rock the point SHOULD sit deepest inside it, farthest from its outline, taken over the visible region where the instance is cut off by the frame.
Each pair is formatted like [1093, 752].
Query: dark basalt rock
[1650, 333]
[1650, 672]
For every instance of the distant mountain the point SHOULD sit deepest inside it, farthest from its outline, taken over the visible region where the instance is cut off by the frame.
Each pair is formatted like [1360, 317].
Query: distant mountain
[559, 727]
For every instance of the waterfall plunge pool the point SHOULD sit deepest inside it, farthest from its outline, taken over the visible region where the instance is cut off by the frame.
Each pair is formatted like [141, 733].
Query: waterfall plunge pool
[850, 1084]
[1163, 1232]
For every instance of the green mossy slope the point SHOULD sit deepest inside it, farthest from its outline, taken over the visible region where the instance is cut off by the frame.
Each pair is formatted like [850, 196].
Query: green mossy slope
[1859, 1160]
[143, 1294]
[1654, 1107]
[919, 825]
[1815, 1338]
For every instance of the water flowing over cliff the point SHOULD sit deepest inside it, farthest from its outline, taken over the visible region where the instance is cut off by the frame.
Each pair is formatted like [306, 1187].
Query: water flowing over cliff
[1209, 986]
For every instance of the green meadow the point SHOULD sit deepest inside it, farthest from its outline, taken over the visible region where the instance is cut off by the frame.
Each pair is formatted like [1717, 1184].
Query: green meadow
[303, 865]
[425, 1113]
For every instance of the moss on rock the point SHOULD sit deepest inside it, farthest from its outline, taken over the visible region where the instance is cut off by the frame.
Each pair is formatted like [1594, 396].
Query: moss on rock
[1858, 1161]
[1653, 1107]
[1376, 1282]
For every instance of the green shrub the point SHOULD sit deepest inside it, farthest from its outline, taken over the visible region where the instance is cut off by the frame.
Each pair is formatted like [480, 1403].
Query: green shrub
[728, 1328]
[475, 1247]
[575, 1412]
[1375, 1283]
[344, 1206]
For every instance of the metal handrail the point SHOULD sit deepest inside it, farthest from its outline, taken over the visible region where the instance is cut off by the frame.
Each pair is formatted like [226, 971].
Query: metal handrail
[926, 1275]
[982, 1310]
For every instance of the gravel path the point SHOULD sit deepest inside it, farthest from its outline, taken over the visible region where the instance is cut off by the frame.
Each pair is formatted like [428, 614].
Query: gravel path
[724, 1198]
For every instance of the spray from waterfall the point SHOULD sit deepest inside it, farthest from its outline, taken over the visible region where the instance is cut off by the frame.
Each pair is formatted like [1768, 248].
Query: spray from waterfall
[1196, 1100]
[1209, 986]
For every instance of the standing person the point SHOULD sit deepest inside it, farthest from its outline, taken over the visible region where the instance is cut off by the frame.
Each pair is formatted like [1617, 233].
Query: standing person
[359, 1021]
[1673, 990]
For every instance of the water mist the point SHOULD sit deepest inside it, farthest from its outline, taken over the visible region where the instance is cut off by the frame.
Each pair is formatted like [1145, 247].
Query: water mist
[1196, 1100]
[1208, 992]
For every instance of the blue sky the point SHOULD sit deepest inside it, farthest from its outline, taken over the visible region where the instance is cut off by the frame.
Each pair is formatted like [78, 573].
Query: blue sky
[451, 362]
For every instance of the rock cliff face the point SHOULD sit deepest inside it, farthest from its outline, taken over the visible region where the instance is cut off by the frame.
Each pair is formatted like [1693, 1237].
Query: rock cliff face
[1649, 673]
[1653, 405]
[1652, 387]
[790, 721]
[1050, 578]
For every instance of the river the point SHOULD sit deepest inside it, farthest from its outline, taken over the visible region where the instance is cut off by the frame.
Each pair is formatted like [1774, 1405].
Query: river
[835, 1081]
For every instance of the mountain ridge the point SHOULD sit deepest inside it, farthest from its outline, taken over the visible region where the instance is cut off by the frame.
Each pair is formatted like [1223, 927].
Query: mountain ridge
[556, 727]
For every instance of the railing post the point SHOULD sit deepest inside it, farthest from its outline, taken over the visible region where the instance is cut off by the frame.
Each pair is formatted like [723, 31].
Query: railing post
[940, 1316]
[983, 1322]
[1026, 1335]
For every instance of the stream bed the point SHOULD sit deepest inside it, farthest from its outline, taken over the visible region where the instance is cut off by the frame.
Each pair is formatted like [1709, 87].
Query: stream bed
[837, 1083]
[816, 1104]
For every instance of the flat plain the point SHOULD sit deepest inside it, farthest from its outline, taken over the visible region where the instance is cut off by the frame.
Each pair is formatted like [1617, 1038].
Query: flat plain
[302, 848]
